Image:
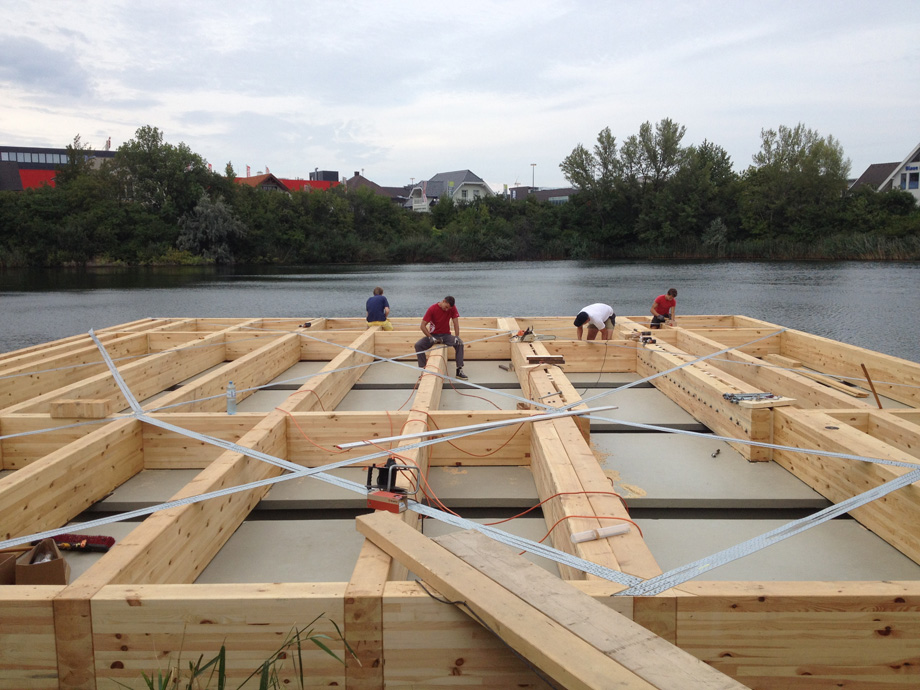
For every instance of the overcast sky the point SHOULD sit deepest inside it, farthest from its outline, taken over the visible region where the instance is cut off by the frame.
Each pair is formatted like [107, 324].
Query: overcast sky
[403, 90]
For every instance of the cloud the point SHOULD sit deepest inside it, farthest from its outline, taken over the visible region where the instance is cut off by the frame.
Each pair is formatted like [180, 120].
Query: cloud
[43, 71]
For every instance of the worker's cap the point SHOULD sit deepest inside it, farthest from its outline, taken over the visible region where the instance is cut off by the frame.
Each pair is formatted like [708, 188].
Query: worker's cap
[581, 319]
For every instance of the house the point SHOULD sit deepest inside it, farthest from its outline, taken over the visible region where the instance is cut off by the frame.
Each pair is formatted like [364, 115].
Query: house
[398, 194]
[553, 196]
[460, 185]
[906, 175]
[299, 184]
[883, 177]
[266, 182]
[874, 175]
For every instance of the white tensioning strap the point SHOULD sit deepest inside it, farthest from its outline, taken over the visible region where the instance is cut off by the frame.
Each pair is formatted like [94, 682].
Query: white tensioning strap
[672, 578]
[132, 401]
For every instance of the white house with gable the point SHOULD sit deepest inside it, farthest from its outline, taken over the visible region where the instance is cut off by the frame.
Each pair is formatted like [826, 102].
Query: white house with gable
[461, 185]
[905, 176]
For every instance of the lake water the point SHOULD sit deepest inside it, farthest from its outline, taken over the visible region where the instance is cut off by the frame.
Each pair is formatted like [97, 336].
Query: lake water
[869, 304]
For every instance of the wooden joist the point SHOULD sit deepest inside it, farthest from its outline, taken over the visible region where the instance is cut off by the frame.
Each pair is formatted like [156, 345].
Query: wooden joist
[542, 617]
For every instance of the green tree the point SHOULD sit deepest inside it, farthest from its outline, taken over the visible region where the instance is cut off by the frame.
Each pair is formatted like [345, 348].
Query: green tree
[78, 163]
[795, 187]
[165, 179]
[210, 230]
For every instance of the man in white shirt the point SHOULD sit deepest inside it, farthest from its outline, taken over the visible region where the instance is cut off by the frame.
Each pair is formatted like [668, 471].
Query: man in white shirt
[599, 317]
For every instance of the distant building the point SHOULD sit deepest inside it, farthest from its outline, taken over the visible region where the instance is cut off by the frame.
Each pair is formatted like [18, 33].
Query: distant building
[30, 167]
[460, 185]
[398, 195]
[324, 175]
[883, 177]
[266, 182]
[553, 196]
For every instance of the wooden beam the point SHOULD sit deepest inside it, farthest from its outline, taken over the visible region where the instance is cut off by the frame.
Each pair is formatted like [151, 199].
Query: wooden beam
[839, 479]
[647, 655]
[55, 489]
[537, 637]
[894, 378]
[363, 621]
[752, 371]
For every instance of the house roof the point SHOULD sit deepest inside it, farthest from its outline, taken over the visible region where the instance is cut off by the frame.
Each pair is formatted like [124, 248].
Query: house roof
[358, 181]
[301, 184]
[266, 180]
[437, 185]
[912, 157]
[874, 175]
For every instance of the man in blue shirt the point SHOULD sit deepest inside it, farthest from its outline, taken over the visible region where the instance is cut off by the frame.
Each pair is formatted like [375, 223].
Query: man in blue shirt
[378, 309]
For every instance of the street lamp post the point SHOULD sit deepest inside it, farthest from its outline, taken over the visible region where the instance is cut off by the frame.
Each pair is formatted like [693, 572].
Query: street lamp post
[533, 173]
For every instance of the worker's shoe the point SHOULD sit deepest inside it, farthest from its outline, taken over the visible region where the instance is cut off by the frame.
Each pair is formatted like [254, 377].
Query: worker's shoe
[461, 375]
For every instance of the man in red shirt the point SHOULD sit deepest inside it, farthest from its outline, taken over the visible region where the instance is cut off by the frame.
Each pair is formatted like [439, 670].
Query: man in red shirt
[663, 309]
[435, 328]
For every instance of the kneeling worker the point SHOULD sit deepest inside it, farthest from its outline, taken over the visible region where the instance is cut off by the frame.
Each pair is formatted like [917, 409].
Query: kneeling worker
[435, 328]
[663, 309]
[378, 310]
[599, 317]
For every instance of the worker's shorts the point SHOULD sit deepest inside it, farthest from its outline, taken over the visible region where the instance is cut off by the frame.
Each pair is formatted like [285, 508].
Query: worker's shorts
[384, 325]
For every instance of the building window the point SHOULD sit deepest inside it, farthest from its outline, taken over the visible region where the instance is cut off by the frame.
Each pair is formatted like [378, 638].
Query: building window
[476, 193]
[4, 155]
[903, 180]
[463, 194]
[913, 181]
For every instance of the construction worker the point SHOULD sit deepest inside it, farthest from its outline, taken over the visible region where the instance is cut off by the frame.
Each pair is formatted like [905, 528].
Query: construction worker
[599, 317]
[435, 328]
[663, 309]
[378, 310]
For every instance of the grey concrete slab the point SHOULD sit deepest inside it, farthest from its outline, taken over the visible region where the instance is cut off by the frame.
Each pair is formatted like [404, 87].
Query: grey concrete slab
[380, 372]
[299, 373]
[370, 400]
[263, 401]
[287, 551]
[613, 379]
[476, 399]
[314, 494]
[662, 470]
[484, 487]
[146, 488]
[529, 528]
[835, 550]
[642, 405]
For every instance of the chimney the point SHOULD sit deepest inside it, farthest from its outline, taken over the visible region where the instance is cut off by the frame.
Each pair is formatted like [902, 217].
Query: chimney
[356, 173]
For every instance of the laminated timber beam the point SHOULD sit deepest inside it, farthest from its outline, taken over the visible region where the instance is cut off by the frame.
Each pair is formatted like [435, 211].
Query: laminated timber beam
[699, 389]
[568, 477]
[145, 377]
[566, 471]
[892, 518]
[375, 567]
[253, 369]
[894, 378]
[751, 370]
[56, 488]
[578, 642]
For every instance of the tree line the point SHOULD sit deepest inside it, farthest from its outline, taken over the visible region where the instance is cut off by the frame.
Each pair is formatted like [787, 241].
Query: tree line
[648, 196]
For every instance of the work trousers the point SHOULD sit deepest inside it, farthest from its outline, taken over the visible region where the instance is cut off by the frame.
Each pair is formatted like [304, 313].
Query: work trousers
[446, 339]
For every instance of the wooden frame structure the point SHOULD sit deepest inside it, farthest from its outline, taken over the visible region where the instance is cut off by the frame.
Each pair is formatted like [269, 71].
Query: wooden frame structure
[67, 443]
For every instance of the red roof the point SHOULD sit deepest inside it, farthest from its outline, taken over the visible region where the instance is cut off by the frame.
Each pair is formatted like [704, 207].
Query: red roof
[33, 179]
[299, 185]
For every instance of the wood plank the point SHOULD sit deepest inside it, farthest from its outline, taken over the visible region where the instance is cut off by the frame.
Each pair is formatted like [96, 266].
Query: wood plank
[839, 479]
[543, 641]
[27, 647]
[647, 655]
[894, 378]
[779, 360]
[751, 370]
[363, 624]
[55, 489]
